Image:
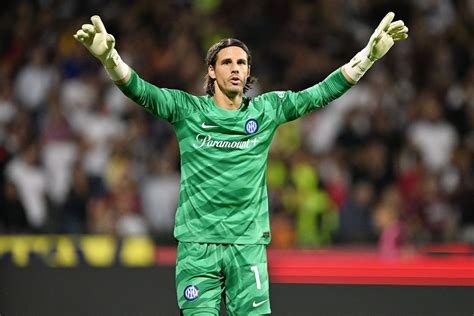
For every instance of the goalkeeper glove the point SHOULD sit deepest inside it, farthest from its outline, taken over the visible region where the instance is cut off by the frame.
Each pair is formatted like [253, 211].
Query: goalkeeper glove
[380, 42]
[101, 44]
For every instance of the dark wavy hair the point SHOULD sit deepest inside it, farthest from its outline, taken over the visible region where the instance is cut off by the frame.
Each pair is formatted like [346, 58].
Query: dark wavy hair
[211, 59]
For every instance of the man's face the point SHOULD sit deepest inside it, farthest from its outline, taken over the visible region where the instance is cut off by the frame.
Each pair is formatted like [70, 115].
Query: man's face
[231, 71]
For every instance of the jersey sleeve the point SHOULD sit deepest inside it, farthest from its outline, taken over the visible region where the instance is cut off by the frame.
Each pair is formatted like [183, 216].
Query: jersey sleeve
[289, 105]
[169, 104]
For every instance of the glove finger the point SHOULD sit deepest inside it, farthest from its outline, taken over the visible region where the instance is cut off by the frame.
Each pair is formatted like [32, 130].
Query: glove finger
[400, 36]
[82, 34]
[404, 30]
[99, 26]
[395, 26]
[79, 38]
[399, 30]
[385, 23]
[110, 40]
[89, 29]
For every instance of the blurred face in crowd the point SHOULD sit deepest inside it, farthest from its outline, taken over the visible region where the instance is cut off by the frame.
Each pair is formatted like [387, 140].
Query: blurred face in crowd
[431, 109]
[231, 71]
[385, 216]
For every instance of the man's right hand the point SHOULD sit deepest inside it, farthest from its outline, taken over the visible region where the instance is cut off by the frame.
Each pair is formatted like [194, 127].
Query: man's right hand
[96, 39]
[102, 45]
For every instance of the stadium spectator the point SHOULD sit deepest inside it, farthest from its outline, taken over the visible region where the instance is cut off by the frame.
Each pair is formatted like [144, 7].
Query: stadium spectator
[159, 193]
[435, 138]
[29, 179]
[355, 225]
[74, 216]
[392, 239]
[391, 107]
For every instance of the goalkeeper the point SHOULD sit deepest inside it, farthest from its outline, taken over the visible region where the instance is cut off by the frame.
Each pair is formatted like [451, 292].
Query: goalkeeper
[222, 220]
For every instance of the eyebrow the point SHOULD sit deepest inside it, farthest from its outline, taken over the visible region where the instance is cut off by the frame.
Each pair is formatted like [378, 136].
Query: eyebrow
[240, 60]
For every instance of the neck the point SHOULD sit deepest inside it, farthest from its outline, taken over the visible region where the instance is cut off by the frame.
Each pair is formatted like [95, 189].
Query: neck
[227, 102]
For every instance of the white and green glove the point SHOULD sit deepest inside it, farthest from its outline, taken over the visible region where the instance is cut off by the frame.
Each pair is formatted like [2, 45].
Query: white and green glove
[380, 42]
[101, 44]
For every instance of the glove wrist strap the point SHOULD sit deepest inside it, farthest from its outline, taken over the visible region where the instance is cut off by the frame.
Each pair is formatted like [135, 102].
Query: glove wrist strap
[358, 65]
[115, 67]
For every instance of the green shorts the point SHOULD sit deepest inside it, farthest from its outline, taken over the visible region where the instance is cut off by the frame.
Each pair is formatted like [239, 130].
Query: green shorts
[205, 272]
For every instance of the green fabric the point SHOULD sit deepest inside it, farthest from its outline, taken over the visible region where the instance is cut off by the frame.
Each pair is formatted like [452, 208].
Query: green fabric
[201, 312]
[211, 268]
[223, 194]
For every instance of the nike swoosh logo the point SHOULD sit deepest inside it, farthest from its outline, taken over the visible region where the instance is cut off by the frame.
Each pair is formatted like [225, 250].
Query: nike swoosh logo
[259, 303]
[204, 125]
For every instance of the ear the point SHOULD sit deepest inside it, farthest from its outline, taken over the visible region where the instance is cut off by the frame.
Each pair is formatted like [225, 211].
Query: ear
[248, 74]
[211, 72]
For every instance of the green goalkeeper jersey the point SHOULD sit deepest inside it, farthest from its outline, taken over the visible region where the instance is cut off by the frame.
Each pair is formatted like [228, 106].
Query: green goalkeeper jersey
[223, 195]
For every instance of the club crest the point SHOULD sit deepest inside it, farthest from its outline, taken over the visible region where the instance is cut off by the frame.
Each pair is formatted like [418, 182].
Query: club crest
[251, 126]
[191, 292]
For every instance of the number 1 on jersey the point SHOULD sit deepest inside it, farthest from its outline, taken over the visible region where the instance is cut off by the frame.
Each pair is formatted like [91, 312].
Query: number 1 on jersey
[257, 277]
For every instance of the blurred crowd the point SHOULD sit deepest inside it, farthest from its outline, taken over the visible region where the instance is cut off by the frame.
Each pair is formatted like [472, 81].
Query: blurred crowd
[392, 160]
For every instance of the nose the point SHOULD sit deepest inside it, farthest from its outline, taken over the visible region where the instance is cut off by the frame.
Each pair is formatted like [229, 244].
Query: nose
[234, 68]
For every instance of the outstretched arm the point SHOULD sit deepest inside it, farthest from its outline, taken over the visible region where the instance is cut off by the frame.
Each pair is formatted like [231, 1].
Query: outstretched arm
[159, 101]
[385, 35]
[297, 104]
[102, 46]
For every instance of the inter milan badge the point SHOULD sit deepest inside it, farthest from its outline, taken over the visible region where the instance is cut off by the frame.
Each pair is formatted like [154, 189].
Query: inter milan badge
[191, 292]
[251, 126]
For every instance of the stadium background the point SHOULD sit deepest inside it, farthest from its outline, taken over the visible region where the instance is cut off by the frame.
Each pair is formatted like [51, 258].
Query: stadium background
[393, 157]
